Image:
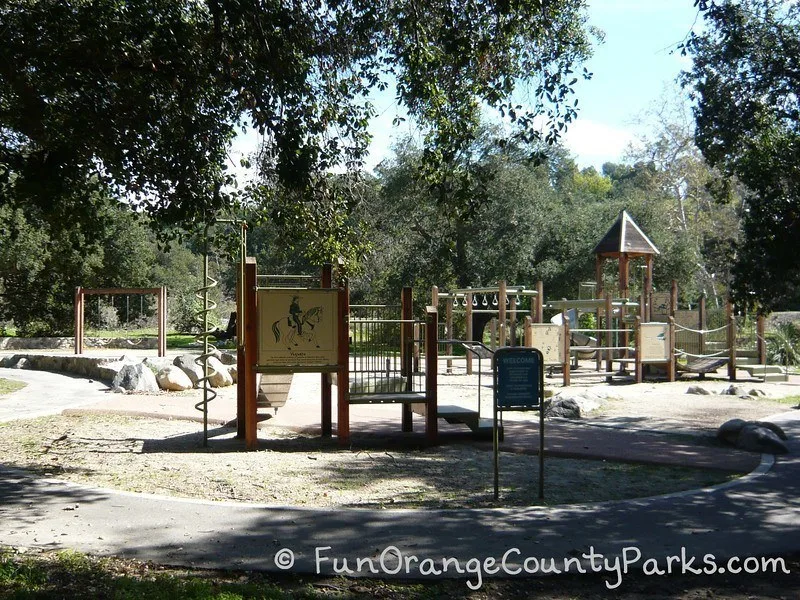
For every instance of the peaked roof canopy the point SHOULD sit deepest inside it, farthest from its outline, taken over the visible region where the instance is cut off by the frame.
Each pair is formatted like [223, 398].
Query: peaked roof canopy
[625, 237]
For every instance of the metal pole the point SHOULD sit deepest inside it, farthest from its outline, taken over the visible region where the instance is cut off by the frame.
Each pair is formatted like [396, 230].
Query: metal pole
[205, 339]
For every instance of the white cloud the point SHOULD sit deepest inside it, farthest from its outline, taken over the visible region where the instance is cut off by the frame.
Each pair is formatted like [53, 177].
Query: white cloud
[594, 143]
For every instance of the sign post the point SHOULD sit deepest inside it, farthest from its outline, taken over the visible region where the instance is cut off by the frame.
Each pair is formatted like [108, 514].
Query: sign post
[518, 386]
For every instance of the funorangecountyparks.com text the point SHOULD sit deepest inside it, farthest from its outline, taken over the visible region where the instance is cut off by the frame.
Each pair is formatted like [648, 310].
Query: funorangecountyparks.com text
[393, 561]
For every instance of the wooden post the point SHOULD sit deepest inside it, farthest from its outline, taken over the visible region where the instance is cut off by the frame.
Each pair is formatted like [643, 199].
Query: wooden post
[648, 287]
[512, 319]
[326, 393]
[598, 274]
[673, 298]
[671, 366]
[567, 357]
[701, 325]
[528, 332]
[343, 374]
[731, 341]
[538, 316]
[78, 320]
[638, 343]
[251, 356]
[431, 374]
[623, 275]
[609, 339]
[435, 296]
[448, 322]
[761, 341]
[468, 299]
[406, 345]
[241, 387]
[501, 313]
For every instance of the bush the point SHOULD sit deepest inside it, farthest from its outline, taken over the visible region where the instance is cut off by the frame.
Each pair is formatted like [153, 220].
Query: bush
[783, 344]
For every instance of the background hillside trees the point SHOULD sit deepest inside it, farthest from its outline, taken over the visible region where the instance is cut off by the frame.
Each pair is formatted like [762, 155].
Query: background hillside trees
[142, 99]
[744, 80]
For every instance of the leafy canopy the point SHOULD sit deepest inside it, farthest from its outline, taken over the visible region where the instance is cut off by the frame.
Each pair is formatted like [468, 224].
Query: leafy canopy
[744, 80]
[143, 97]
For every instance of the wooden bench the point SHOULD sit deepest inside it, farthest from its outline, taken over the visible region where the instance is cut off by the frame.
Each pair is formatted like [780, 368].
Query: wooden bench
[388, 398]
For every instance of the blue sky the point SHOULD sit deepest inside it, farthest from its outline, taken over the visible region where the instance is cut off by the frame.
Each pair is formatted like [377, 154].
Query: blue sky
[632, 69]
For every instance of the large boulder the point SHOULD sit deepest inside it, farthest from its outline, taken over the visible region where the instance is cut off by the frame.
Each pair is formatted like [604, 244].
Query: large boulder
[218, 375]
[227, 358]
[754, 436]
[757, 438]
[566, 408]
[156, 363]
[698, 390]
[729, 431]
[135, 378]
[21, 363]
[735, 390]
[173, 379]
[186, 362]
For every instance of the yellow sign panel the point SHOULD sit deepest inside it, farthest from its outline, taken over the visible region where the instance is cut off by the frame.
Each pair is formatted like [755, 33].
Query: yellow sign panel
[654, 337]
[549, 339]
[298, 328]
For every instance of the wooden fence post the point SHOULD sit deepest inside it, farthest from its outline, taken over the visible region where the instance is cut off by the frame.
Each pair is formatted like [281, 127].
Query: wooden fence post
[78, 320]
[761, 341]
[567, 357]
[731, 317]
[251, 355]
[671, 363]
[468, 299]
[326, 395]
[406, 350]
[501, 313]
[343, 374]
[431, 375]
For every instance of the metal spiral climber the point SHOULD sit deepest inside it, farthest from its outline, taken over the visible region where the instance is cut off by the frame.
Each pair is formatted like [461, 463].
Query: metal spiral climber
[208, 348]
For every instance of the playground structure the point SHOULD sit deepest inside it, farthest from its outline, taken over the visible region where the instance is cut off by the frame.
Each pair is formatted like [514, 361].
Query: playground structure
[488, 302]
[382, 354]
[651, 333]
[80, 308]
[369, 353]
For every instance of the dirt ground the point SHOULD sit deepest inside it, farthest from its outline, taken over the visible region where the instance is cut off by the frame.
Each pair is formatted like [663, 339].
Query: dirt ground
[168, 457]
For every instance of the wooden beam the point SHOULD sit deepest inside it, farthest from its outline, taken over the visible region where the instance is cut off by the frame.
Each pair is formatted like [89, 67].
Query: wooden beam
[431, 375]
[326, 394]
[406, 352]
[251, 355]
[538, 316]
[501, 313]
[343, 374]
[78, 320]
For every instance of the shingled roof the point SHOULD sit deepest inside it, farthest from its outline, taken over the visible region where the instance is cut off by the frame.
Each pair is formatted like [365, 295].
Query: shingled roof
[625, 237]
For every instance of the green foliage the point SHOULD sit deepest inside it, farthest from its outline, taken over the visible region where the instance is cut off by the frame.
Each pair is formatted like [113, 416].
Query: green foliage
[145, 97]
[783, 345]
[525, 221]
[744, 82]
[7, 386]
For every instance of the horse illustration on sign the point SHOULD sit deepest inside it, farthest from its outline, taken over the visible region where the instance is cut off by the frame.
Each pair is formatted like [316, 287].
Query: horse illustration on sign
[298, 327]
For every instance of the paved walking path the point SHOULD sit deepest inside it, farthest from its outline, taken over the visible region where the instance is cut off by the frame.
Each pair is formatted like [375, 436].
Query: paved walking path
[758, 515]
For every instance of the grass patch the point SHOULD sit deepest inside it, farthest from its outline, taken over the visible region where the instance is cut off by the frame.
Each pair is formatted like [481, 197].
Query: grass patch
[7, 386]
[788, 400]
[174, 340]
[68, 575]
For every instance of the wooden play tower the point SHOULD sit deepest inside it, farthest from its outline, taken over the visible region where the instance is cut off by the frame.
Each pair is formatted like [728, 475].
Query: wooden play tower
[622, 242]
